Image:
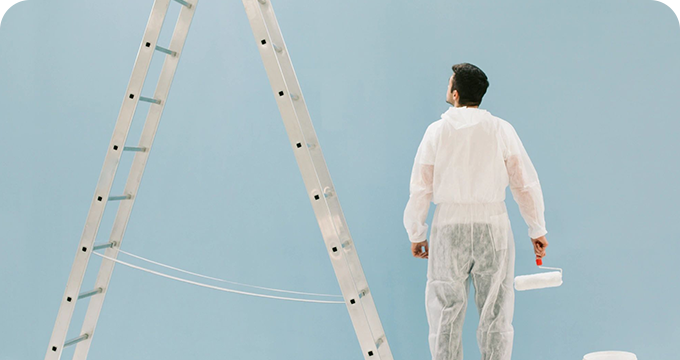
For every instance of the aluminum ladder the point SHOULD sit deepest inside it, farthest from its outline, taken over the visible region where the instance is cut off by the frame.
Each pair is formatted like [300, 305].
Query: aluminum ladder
[306, 148]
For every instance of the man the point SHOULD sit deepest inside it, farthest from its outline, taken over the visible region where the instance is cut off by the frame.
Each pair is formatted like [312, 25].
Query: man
[464, 164]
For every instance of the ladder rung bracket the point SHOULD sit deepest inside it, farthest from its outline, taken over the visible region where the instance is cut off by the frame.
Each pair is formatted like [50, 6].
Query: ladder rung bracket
[380, 341]
[120, 197]
[135, 148]
[150, 100]
[363, 293]
[103, 246]
[77, 340]
[90, 293]
[167, 51]
[184, 3]
[346, 244]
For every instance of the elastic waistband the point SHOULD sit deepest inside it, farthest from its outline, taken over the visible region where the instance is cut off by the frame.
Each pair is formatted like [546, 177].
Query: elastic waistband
[489, 208]
[482, 204]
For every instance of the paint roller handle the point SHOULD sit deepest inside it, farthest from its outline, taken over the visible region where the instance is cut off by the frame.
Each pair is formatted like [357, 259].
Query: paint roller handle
[539, 261]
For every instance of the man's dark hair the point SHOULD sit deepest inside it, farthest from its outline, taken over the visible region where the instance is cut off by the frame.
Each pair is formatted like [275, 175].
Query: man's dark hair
[471, 83]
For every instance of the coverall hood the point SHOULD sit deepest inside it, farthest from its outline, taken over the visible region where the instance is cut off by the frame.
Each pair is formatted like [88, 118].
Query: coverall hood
[462, 117]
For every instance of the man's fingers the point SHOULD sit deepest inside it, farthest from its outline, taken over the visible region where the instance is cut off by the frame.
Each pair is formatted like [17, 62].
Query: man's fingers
[420, 250]
[538, 249]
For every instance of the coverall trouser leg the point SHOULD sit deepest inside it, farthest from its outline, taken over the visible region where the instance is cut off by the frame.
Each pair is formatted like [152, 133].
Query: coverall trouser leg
[483, 253]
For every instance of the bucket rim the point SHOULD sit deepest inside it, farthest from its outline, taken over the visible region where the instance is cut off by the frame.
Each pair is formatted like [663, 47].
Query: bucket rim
[596, 355]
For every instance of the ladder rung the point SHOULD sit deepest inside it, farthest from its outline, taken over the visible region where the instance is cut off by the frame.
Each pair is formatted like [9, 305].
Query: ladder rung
[135, 148]
[167, 51]
[90, 293]
[76, 340]
[103, 246]
[120, 197]
[184, 3]
[155, 101]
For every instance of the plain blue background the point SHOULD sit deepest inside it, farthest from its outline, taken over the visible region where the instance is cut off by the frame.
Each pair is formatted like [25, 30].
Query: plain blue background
[590, 86]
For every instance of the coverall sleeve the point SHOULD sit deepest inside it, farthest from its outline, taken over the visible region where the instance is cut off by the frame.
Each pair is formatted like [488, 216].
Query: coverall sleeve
[524, 184]
[420, 188]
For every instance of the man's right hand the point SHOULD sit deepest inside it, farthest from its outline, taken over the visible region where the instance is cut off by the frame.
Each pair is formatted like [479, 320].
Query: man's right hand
[539, 246]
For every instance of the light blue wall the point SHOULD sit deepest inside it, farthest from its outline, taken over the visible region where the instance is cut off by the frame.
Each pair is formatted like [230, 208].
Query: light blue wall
[590, 86]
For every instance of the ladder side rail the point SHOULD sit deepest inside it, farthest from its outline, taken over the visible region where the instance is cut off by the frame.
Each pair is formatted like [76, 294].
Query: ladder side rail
[317, 180]
[104, 183]
[135, 177]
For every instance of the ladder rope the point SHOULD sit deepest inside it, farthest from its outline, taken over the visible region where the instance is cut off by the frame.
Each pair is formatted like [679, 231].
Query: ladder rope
[222, 280]
[215, 287]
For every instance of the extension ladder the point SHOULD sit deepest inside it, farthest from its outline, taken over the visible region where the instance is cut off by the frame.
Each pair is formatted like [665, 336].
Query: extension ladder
[306, 148]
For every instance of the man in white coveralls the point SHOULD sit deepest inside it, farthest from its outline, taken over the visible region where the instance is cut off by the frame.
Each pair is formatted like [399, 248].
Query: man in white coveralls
[464, 164]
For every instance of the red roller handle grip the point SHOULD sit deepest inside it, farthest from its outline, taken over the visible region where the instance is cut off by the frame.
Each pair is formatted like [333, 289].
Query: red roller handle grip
[539, 262]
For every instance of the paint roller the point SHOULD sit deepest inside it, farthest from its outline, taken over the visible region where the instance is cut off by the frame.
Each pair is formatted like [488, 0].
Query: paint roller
[540, 280]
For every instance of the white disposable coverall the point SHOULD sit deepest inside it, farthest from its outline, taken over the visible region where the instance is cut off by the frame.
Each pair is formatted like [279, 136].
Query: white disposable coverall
[464, 164]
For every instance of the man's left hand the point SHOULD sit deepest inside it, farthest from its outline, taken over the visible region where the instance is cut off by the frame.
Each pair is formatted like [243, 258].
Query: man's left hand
[416, 249]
